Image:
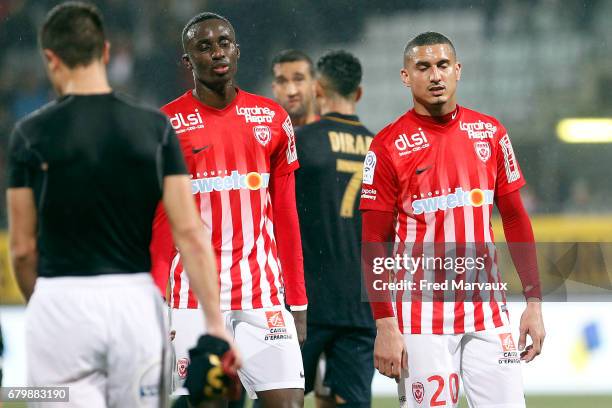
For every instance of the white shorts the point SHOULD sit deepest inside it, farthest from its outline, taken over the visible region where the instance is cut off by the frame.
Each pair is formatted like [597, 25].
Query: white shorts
[266, 339]
[104, 337]
[487, 362]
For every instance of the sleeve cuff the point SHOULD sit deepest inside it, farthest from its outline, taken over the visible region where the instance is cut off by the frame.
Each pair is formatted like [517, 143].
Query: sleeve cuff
[299, 308]
[381, 310]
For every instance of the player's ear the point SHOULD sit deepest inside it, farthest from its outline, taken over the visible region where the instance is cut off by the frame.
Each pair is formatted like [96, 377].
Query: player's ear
[458, 69]
[237, 51]
[358, 93]
[187, 61]
[51, 59]
[405, 77]
[319, 92]
[106, 52]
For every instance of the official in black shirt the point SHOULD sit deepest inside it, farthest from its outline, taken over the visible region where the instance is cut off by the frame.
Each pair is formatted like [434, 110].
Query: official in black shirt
[86, 173]
[331, 152]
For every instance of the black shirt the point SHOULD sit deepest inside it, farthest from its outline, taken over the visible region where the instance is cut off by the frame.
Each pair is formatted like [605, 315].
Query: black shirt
[328, 184]
[95, 164]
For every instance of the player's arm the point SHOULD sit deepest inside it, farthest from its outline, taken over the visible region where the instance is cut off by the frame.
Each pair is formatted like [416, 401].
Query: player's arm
[521, 244]
[289, 244]
[162, 249]
[378, 206]
[22, 242]
[389, 350]
[22, 215]
[283, 162]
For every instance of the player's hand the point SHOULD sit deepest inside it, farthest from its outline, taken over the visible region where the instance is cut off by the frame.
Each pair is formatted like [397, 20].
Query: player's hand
[231, 365]
[172, 335]
[532, 324]
[299, 317]
[390, 355]
[210, 375]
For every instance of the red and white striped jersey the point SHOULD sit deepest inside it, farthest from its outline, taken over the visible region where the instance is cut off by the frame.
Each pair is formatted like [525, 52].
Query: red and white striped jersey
[231, 154]
[440, 176]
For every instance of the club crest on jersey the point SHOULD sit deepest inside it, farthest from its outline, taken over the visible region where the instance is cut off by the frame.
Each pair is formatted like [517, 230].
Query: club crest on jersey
[262, 134]
[483, 151]
[418, 392]
[181, 367]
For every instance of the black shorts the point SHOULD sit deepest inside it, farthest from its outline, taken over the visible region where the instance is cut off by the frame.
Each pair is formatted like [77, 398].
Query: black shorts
[349, 359]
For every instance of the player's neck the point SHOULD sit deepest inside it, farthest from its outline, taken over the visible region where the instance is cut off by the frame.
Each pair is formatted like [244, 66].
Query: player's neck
[435, 110]
[309, 117]
[85, 81]
[337, 105]
[216, 98]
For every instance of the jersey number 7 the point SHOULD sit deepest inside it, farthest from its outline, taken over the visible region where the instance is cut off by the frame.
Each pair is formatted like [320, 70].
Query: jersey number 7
[347, 208]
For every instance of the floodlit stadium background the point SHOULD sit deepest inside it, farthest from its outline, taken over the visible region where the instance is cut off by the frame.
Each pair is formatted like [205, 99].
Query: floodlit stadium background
[536, 65]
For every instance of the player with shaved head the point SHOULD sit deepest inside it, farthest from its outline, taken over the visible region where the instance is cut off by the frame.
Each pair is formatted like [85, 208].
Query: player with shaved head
[430, 180]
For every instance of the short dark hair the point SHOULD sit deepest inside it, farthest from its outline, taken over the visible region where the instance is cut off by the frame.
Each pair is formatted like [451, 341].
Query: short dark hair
[293, 56]
[428, 38]
[343, 71]
[206, 15]
[75, 32]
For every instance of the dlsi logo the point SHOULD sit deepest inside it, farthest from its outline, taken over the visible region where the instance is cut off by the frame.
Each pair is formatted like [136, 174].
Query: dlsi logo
[474, 198]
[408, 144]
[183, 122]
[234, 181]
